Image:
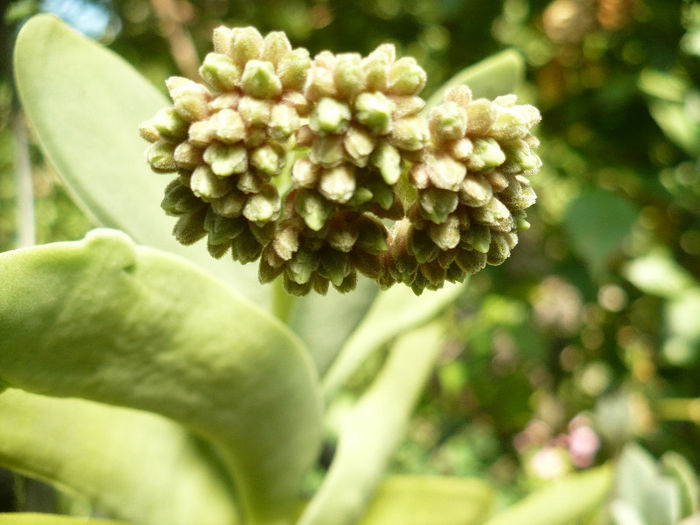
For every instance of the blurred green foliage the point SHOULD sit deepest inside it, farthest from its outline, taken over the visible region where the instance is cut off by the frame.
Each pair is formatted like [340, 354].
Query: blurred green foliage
[594, 323]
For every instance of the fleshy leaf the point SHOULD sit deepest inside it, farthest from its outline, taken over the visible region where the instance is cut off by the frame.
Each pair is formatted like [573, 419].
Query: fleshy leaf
[429, 500]
[393, 312]
[85, 105]
[497, 75]
[562, 502]
[30, 518]
[132, 465]
[373, 428]
[109, 321]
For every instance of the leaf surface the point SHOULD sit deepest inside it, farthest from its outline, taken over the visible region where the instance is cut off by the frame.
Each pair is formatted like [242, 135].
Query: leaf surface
[31, 518]
[106, 320]
[132, 465]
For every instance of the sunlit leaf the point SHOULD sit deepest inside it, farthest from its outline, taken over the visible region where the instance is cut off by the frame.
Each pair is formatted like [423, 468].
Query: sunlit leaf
[429, 500]
[29, 518]
[132, 465]
[85, 105]
[678, 468]
[109, 321]
[657, 273]
[373, 429]
[562, 502]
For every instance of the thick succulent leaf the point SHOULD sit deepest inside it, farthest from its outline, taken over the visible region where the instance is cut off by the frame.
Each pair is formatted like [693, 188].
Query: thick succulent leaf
[109, 321]
[130, 464]
[85, 105]
[30, 518]
[497, 75]
[680, 469]
[429, 500]
[393, 312]
[562, 502]
[373, 429]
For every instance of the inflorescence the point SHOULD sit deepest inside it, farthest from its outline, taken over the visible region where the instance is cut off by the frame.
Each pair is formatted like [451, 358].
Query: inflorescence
[320, 168]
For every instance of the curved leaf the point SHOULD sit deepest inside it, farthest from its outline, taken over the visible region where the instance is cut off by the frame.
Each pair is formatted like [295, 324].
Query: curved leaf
[112, 322]
[133, 465]
[562, 502]
[393, 312]
[85, 105]
[373, 429]
[429, 500]
[496, 75]
[30, 518]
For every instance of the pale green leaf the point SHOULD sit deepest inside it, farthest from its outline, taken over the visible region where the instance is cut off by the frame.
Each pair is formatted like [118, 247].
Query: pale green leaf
[133, 465]
[678, 468]
[29, 518]
[497, 75]
[373, 429]
[85, 105]
[562, 502]
[109, 321]
[393, 312]
[429, 500]
[657, 273]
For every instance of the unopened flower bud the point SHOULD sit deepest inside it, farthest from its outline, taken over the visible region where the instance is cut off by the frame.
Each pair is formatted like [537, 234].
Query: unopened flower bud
[245, 247]
[387, 159]
[275, 46]
[487, 154]
[471, 261]
[249, 182]
[460, 95]
[187, 155]
[475, 190]
[230, 205]
[259, 80]
[148, 131]
[374, 111]
[437, 204]
[221, 38]
[359, 144]
[169, 124]
[179, 199]
[208, 186]
[448, 122]
[480, 116]
[337, 184]
[348, 75]
[335, 266]
[228, 126]
[406, 77]
[293, 68]
[222, 229]
[501, 244]
[313, 208]
[421, 245]
[262, 207]
[268, 159]
[226, 160]
[220, 72]
[446, 235]
[190, 99]
[478, 238]
[190, 227]
[328, 151]
[246, 44]
[410, 134]
[376, 67]
[330, 117]
[284, 121]
[254, 112]
[305, 173]
[160, 156]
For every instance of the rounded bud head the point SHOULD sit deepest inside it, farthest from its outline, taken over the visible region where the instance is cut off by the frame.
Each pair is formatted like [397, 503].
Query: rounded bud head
[342, 237]
[259, 80]
[436, 204]
[387, 159]
[190, 99]
[337, 184]
[293, 69]
[480, 116]
[406, 106]
[461, 149]
[286, 242]
[460, 95]
[268, 159]
[495, 215]
[201, 133]
[249, 183]
[225, 101]
[222, 38]
[475, 190]
[160, 156]
[376, 67]
[255, 112]
[220, 72]
[302, 266]
[231, 205]
[170, 125]
[448, 122]
[348, 75]
[207, 186]
[471, 261]
[446, 235]
[446, 173]
[520, 152]
[305, 173]
[411, 134]
[284, 121]
[246, 44]
[499, 250]
[228, 126]
[148, 131]
[328, 151]
[226, 160]
[478, 238]
[406, 77]
[313, 208]
[506, 101]
[187, 156]
[275, 46]
[330, 117]
[374, 110]
[358, 145]
[372, 235]
[487, 154]
[262, 207]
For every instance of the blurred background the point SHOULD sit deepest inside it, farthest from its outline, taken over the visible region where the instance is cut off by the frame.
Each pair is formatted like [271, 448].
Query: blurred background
[589, 336]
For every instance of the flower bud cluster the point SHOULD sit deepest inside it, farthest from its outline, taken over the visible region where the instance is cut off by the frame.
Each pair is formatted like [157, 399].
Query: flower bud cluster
[473, 188]
[354, 126]
[228, 140]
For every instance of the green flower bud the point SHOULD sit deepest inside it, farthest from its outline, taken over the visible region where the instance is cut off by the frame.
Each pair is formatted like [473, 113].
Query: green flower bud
[494, 214]
[349, 283]
[501, 244]
[148, 131]
[406, 77]
[446, 258]
[207, 186]
[222, 229]
[361, 196]
[328, 151]
[475, 190]
[296, 289]
[305, 173]
[461, 149]
[160, 156]
[220, 72]
[190, 99]
[275, 46]
[226, 160]
[448, 122]
[335, 266]
[246, 44]
[330, 116]
[348, 75]
[293, 69]
[460, 95]
[376, 67]
[520, 152]
[437, 204]
[187, 156]
[170, 125]
[259, 80]
[367, 264]
[446, 235]
[284, 121]
[411, 134]
[228, 126]
[382, 193]
[487, 154]
[230, 205]
[201, 133]
[225, 101]
[337, 184]
[387, 159]
[478, 238]
[518, 196]
[358, 145]
[434, 273]
[408, 106]
[267, 272]
[249, 183]
[314, 209]
[254, 112]
[286, 243]
[245, 247]
[302, 266]
[471, 261]
[221, 39]
[497, 180]
[480, 116]
[262, 207]
[445, 173]
[455, 274]
[268, 159]
[421, 246]
[521, 223]
[374, 111]
[179, 199]
[342, 237]
[372, 235]
[189, 228]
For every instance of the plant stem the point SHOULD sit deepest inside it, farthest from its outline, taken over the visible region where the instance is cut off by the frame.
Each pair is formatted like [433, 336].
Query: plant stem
[282, 302]
[680, 409]
[26, 230]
